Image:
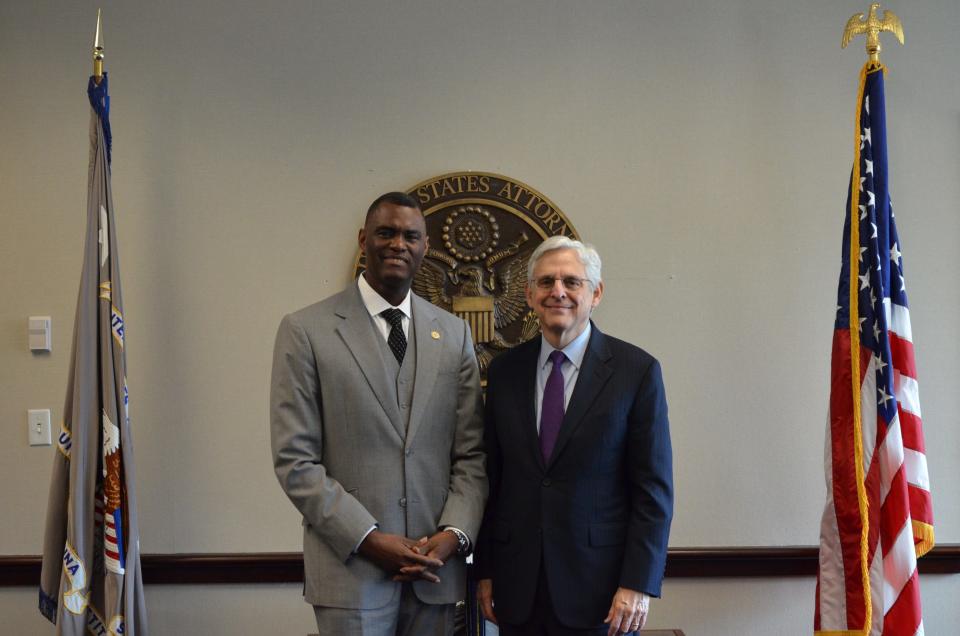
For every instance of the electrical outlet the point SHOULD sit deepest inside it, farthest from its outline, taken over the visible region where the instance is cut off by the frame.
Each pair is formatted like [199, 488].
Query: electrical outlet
[38, 427]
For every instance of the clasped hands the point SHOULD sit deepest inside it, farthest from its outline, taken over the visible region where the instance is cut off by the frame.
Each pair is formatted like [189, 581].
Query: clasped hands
[409, 559]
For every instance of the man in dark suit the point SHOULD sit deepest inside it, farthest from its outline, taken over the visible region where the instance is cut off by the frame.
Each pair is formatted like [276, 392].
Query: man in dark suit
[376, 431]
[574, 538]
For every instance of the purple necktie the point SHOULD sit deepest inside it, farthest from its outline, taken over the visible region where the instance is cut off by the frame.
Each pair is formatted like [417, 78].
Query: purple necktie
[551, 412]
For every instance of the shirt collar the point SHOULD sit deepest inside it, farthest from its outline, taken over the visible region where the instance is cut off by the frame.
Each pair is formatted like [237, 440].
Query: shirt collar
[375, 303]
[575, 350]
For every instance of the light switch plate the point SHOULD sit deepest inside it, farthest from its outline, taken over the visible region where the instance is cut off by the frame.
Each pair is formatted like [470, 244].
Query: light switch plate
[38, 427]
[39, 332]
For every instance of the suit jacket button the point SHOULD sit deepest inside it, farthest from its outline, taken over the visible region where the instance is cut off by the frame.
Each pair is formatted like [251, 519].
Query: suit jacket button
[408, 452]
[403, 502]
[545, 483]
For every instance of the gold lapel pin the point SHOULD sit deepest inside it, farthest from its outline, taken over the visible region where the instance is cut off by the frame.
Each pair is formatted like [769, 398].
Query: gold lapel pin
[435, 335]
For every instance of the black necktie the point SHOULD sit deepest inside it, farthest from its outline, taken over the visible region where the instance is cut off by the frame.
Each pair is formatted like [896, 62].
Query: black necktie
[397, 341]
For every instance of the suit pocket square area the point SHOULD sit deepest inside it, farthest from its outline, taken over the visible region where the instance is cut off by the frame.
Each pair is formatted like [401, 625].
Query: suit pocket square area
[607, 535]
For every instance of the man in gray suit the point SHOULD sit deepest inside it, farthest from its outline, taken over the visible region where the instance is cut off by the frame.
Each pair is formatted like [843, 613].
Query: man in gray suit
[376, 430]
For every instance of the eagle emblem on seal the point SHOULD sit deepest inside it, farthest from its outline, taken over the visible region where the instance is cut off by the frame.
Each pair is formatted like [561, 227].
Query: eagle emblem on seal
[476, 278]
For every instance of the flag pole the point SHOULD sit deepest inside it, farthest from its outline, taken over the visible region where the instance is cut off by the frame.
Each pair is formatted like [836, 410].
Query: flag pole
[98, 53]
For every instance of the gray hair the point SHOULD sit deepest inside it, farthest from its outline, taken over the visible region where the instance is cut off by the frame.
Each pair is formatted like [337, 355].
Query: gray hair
[586, 253]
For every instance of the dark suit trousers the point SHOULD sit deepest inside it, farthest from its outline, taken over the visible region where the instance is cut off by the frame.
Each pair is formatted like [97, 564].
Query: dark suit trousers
[543, 621]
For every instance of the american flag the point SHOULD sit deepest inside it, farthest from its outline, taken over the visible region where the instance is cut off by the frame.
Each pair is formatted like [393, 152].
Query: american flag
[878, 518]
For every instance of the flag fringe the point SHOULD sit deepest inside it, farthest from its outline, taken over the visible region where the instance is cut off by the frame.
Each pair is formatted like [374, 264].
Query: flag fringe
[855, 367]
[923, 536]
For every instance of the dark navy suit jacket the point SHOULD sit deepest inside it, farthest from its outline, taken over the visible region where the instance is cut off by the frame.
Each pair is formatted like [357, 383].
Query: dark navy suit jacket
[598, 513]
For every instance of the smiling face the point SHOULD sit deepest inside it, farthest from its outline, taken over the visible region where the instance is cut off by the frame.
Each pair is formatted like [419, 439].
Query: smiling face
[563, 312]
[394, 240]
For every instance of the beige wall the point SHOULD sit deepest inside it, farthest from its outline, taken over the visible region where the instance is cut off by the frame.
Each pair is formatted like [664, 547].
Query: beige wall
[703, 147]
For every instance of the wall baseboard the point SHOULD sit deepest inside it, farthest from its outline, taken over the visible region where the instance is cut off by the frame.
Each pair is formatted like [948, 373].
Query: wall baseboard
[287, 567]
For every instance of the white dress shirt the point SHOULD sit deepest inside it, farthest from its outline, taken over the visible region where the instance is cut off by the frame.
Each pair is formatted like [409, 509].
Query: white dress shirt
[375, 303]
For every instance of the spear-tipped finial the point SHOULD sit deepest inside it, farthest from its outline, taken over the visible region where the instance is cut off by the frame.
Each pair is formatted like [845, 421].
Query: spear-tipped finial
[872, 26]
[98, 52]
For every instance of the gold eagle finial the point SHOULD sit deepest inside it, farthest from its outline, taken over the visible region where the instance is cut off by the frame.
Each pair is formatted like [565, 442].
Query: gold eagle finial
[872, 26]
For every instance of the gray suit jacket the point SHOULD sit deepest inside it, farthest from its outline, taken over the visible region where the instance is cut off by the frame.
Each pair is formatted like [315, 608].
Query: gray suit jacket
[343, 456]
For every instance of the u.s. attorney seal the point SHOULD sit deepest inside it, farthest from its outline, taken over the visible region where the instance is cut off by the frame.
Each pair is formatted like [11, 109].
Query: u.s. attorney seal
[483, 228]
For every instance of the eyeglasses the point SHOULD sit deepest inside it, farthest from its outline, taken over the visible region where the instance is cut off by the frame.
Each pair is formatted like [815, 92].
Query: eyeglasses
[570, 283]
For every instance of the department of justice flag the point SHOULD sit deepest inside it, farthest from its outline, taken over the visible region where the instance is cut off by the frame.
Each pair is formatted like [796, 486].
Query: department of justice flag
[91, 581]
[878, 517]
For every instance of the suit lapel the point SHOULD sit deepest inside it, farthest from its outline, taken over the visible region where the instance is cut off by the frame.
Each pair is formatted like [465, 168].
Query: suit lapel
[525, 395]
[359, 335]
[592, 377]
[425, 325]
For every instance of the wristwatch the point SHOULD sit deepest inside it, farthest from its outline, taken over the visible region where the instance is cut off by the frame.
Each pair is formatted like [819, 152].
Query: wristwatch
[463, 543]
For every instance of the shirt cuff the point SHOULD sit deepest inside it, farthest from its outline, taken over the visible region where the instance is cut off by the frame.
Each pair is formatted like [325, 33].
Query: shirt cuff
[366, 534]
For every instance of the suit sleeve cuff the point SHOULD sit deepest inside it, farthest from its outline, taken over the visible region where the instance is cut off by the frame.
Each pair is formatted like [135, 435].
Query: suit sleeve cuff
[463, 541]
